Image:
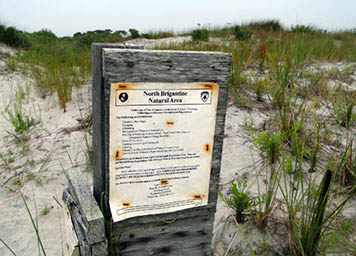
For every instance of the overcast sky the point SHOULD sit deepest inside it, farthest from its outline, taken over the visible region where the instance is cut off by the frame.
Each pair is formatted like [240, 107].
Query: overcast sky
[65, 17]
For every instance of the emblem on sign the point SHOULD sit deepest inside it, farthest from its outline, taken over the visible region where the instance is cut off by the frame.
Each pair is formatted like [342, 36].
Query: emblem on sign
[123, 97]
[204, 96]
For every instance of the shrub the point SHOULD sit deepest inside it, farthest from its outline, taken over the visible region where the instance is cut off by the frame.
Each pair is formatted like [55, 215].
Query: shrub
[343, 110]
[134, 33]
[13, 37]
[147, 35]
[347, 175]
[241, 34]
[77, 34]
[15, 113]
[306, 29]
[266, 25]
[240, 200]
[44, 36]
[270, 144]
[200, 35]
[86, 39]
[119, 34]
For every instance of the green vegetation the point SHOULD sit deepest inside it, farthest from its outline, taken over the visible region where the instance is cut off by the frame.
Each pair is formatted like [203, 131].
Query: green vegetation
[34, 222]
[59, 64]
[13, 37]
[241, 34]
[343, 109]
[270, 144]
[306, 145]
[157, 34]
[265, 25]
[240, 200]
[45, 210]
[134, 33]
[15, 112]
[200, 34]
[296, 139]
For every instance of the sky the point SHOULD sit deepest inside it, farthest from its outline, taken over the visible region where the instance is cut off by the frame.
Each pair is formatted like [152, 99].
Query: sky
[66, 17]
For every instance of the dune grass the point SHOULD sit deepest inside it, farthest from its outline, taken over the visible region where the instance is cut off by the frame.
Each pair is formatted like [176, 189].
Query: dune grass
[304, 137]
[297, 139]
[56, 67]
[34, 222]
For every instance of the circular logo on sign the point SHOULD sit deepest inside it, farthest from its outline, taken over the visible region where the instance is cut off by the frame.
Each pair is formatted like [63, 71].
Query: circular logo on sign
[123, 97]
[204, 96]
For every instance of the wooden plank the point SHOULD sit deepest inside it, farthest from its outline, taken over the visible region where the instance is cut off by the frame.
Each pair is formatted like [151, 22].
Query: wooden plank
[178, 235]
[98, 109]
[72, 243]
[86, 215]
[184, 232]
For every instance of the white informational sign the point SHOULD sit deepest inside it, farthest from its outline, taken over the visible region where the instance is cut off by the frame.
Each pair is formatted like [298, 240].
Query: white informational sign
[160, 143]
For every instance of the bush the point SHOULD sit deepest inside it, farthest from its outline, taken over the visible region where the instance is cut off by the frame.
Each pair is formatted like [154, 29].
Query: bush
[307, 29]
[134, 33]
[240, 200]
[13, 37]
[200, 35]
[44, 36]
[270, 144]
[147, 35]
[87, 39]
[241, 34]
[266, 25]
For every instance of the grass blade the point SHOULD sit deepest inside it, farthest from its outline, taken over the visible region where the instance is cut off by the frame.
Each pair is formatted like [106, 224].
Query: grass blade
[4, 243]
[33, 224]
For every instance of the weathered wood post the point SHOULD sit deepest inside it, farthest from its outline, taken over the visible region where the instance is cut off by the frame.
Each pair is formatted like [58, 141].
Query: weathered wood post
[160, 139]
[158, 129]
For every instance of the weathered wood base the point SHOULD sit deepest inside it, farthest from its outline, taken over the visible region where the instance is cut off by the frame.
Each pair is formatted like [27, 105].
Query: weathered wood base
[164, 234]
[180, 236]
[86, 216]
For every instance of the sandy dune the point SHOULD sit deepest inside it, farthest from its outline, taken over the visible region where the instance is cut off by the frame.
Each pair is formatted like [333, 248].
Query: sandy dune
[49, 150]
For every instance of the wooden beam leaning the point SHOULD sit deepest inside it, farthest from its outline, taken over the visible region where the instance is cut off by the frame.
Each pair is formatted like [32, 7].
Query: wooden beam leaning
[86, 216]
[186, 231]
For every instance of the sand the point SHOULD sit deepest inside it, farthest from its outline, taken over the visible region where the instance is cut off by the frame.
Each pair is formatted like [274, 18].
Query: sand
[51, 152]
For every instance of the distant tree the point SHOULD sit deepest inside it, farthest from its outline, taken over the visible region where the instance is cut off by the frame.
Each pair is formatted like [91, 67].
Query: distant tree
[147, 35]
[99, 31]
[86, 39]
[306, 29]
[272, 25]
[121, 33]
[134, 33]
[77, 34]
[103, 32]
[13, 37]
[43, 36]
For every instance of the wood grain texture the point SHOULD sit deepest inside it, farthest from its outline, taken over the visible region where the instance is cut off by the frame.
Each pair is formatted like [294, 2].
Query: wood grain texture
[184, 232]
[86, 215]
[98, 109]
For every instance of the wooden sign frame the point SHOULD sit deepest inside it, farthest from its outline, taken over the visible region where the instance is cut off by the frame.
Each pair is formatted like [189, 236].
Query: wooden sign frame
[187, 231]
